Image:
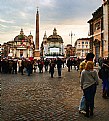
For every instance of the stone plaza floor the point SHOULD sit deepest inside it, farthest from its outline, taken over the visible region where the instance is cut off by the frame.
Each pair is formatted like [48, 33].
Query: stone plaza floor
[39, 97]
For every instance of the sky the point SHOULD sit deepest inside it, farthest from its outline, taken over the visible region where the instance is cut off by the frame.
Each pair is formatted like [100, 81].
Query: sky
[65, 15]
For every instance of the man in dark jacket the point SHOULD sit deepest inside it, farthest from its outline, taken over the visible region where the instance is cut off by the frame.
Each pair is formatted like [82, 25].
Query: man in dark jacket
[59, 66]
[69, 64]
[104, 76]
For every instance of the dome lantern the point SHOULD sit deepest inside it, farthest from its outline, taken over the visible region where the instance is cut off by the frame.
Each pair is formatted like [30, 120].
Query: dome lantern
[54, 31]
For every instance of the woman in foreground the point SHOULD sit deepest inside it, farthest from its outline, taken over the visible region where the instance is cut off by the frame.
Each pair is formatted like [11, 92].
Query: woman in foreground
[89, 82]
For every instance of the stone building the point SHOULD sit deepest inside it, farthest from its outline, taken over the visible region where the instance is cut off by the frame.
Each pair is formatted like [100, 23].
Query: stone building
[82, 46]
[69, 50]
[106, 27]
[99, 31]
[96, 33]
[21, 46]
[52, 46]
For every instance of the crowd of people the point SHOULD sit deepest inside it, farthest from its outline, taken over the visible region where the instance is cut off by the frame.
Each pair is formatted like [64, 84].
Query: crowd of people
[14, 66]
[20, 65]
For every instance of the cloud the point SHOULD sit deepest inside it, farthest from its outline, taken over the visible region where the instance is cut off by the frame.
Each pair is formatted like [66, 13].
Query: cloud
[66, 15]
[3, 26]
[68, 11]
[7, 21]
[47, 3]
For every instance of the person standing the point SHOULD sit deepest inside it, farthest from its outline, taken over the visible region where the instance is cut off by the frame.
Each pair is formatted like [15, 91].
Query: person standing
[40, 65]
[89, 57]
[19, 65]
[14, 66]
[104, 76]
[22, 67]
[28, 67]
[89, 82]
[46, 63]
[59, 66]
[69, 64]
[52, 66]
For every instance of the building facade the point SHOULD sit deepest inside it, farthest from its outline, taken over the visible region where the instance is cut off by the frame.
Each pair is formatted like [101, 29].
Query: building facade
[69, 50]
[82, 47]
[99, 31]
[96, 33]
[21, 46]
[52, 46]
[106, 27]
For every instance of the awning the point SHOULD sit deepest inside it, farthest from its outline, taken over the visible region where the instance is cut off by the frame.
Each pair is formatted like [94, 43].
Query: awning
[36, 58]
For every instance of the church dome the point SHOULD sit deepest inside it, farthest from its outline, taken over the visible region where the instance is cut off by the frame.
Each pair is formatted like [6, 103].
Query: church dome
[21, 37]
[55, 37]
[30, 35]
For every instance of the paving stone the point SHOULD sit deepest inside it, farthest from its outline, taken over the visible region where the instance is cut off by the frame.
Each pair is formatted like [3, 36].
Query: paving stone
[42, 98]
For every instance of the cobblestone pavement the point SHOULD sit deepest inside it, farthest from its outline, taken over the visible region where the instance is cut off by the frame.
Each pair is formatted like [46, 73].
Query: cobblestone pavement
[41, 98]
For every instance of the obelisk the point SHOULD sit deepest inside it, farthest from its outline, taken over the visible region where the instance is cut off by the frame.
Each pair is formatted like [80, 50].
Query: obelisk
[37, 52]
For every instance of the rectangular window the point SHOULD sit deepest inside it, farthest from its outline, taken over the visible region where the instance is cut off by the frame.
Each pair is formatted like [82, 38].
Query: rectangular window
[86, 42]
[97, 26]
[82, 42]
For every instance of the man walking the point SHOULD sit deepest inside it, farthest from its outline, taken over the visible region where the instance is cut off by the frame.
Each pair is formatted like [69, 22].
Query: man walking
[59, 66]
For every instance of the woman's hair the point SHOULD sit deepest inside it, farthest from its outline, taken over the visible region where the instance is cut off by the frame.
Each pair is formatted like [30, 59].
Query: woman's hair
[89, 65]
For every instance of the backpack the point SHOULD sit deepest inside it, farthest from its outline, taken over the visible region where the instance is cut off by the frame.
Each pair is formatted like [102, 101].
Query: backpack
[103, 73]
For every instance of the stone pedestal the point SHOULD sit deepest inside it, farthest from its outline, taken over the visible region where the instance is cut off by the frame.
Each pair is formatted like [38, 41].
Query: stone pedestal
[36, 54]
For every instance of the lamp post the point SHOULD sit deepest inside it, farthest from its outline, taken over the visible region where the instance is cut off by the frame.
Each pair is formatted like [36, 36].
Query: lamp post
[71, 34]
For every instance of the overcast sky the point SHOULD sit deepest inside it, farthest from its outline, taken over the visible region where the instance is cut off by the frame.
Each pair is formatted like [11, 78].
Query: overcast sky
[65, 15]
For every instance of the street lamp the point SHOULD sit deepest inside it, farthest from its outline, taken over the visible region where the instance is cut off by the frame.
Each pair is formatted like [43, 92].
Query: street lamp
[71, 34]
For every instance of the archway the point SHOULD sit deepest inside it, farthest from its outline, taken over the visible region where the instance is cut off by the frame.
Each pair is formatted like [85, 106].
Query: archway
[97, 48]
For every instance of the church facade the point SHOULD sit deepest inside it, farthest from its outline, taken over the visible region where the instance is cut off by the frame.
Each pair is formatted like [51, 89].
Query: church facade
[21, 46]
[52, 46]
